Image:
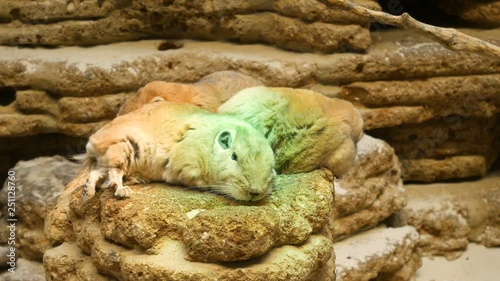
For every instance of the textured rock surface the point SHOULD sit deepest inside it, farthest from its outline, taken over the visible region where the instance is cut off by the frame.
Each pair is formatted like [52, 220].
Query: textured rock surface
[39, 182]
[445, 148]
[371, 191]
[468, 94]
[74, 91]
[25, 271]
[477, 263]
[287, 234]
[403, 55]
[441, 128]
[448, 215]
[378, 254]
[271, 22]
[485, 13]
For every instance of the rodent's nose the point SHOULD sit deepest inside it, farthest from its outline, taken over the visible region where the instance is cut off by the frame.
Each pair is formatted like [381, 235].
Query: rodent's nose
[254, 193]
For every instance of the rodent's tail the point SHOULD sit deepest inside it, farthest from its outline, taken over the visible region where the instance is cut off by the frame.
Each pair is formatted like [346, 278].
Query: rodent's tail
[85, 160]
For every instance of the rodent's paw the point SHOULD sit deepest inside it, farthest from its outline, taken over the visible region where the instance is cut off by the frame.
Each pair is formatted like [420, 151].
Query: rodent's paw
[123, 192]
[88, 190]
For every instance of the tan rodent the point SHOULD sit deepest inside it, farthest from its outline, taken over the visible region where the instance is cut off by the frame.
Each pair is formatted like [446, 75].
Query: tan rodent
[181, 144]
[208, 93]
[305, 129]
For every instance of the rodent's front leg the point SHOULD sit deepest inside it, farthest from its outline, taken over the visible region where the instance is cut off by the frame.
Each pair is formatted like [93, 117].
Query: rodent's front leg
[94, 177]
[117, 156]
[115, 178]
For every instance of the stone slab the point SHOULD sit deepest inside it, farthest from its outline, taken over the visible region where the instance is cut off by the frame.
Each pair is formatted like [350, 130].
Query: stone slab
[401, 55]
[132, 20]
[38, 184]
[370, 191]
[25, 271]
[389, 253]
[456, 167]
[448, 215]
[196, 230]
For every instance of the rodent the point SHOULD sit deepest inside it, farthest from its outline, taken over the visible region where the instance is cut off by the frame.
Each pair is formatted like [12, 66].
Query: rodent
[208, 93]
[181, 144]
[305, 129]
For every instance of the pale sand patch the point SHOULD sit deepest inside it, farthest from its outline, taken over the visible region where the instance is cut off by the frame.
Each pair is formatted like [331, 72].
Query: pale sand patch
[478, 263]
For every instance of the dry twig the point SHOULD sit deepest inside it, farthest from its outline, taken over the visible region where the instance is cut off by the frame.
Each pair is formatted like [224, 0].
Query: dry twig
[448, 37]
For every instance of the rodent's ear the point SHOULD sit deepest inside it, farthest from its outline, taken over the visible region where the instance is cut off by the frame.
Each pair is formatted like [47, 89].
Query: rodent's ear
[157, 99]
[225, 138]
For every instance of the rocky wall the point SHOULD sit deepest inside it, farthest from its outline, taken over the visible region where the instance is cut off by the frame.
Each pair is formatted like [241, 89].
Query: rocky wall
[305, 25]
[301, 207]
[203, 235]
[403, 85]
[449, 215]
[483, 13]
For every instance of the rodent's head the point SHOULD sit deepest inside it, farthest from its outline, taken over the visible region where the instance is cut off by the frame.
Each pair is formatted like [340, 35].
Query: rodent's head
[242, 162]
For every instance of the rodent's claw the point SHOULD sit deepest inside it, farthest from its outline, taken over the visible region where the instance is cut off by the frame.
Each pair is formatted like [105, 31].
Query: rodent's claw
[89, 190]
[123, 191]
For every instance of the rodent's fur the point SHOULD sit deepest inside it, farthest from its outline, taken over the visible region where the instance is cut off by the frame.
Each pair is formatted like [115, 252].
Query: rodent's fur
[208, 93]
[181, 144]
[305, 129]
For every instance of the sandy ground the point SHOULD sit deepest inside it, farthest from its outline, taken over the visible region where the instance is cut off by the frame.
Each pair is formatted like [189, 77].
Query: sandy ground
[478, 263]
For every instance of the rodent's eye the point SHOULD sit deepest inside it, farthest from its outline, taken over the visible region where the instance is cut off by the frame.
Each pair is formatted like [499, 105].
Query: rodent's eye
[234, 157]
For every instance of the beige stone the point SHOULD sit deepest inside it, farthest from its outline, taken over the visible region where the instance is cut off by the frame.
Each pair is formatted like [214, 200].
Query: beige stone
[136, 20]
[38, 184]
[296, 263]
[308, 10]
[370, 191]
[456, 167]
[443, 137]
[292, 34]
[445, 148]
[448, 214]
[91, 109]
[477, 263]
[122, 67]
[32, 242]
[401, 55]
[4, 259]
[287, 234]
[17, 125]
[432, 92]
[53, 11]
[33, 102]
[480, 13]
[74, 71]
[393, 116]
[85, 32]
[25, 270]
[378, 254]
[81, 130]
[67, 262]
[39, 12]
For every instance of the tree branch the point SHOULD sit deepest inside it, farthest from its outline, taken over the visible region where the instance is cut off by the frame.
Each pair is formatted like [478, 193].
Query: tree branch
[448, 37]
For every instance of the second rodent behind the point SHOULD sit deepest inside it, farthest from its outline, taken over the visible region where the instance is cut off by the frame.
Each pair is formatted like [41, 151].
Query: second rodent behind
[208, 93]
[305, 129]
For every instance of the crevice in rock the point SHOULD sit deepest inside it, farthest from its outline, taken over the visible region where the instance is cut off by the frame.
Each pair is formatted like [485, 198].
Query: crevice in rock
[7, 96]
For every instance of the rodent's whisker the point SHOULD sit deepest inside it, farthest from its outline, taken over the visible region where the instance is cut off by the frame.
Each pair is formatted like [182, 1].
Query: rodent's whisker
[215, 187]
